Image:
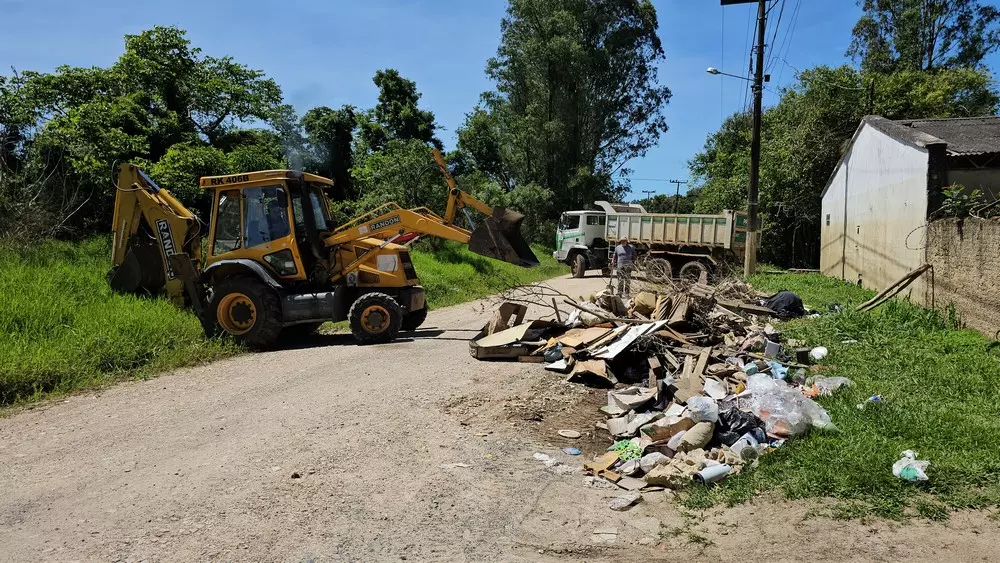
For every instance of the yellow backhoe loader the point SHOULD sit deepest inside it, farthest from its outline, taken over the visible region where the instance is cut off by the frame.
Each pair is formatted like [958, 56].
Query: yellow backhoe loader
[274, 264]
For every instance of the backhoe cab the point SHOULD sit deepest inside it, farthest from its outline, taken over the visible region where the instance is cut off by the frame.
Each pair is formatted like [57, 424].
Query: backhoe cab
[274, 264]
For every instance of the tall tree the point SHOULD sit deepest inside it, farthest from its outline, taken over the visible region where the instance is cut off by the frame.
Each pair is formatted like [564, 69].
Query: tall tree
[577, 97]
[331, 136]
[396, 115]
[162, 96]
[924, 34]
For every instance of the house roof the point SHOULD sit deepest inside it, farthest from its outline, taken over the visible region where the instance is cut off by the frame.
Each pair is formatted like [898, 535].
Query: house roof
[962, 136]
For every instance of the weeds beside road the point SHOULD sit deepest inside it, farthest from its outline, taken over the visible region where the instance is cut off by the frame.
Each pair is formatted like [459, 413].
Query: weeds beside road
[941, 390]
[62, 328]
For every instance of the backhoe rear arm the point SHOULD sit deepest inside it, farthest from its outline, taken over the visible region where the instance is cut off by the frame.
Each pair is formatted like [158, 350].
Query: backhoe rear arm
[149, 225]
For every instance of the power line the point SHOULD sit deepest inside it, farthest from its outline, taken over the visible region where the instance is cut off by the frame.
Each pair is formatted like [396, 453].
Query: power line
[722, 63]
[748, 56]
[834, 84]
[786, 43]
[777, 26]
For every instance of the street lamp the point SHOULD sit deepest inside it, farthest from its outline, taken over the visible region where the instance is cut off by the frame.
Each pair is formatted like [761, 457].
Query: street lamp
[715, 71]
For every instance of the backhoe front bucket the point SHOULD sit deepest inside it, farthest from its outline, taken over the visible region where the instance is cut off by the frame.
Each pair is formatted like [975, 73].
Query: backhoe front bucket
[499, 237]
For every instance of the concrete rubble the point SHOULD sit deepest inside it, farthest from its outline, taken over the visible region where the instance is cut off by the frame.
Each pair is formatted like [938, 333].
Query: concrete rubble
[699, 383]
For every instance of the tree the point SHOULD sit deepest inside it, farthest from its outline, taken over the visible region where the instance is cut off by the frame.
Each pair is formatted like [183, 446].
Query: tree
[330, 135]
[403, 172]
[924, 35]
[804, 137]
[396, 115]
[72, 125]
[577, 97]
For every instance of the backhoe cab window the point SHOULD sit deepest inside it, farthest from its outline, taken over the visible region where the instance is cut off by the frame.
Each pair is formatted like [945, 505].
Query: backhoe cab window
[227, 224]
[567, 222]
[320, 211]
[266, 211]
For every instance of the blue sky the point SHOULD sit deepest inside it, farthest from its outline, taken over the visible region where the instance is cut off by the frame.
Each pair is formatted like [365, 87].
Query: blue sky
[325, 52]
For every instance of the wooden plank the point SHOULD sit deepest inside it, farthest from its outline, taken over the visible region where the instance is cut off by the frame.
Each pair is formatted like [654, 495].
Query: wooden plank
[654, 364]
[699, 370]
[746, 307]
[531, 359]
[896, 287]
[671, 359]
[688, 351]
[672, 334]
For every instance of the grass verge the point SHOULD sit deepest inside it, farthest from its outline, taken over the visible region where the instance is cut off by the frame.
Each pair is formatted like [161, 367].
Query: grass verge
[941, 389]
[62, 328]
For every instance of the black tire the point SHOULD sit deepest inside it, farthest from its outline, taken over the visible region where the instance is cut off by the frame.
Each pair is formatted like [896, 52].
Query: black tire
[658, 270]
[693, 270]
[251, 311]
[375, 318]
[413, 320]
[579, 266]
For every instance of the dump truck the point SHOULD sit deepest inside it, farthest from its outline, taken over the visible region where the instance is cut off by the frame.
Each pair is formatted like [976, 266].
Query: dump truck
[276, 265]
[689, 245]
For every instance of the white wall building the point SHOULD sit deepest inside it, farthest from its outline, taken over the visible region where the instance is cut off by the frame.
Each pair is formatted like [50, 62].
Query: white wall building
[889, 183]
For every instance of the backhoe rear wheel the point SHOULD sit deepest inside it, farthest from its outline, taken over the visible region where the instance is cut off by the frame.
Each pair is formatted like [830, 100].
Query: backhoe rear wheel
[247, 310]
[375, 318]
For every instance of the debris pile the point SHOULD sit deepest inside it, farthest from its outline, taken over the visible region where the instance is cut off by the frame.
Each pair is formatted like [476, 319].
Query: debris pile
[699, 384]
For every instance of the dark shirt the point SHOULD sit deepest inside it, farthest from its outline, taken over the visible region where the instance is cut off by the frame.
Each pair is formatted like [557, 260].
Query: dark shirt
[624, 254]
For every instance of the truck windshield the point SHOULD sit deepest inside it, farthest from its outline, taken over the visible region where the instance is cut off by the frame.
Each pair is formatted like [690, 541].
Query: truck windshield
[567, 222]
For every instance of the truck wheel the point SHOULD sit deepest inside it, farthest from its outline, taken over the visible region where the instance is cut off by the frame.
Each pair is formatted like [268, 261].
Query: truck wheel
[694, 271]
[658, 270]
[247, 310]
[375, 318]
[413, 319]
[579, 266]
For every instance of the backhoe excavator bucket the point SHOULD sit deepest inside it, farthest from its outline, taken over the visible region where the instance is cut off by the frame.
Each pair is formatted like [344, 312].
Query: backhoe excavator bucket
[499, 237]
[142, 269]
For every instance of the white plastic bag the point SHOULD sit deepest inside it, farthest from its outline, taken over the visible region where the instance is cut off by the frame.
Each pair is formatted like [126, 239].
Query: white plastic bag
[784, 409]
[703, 409]
[827, 385]
[909, 468]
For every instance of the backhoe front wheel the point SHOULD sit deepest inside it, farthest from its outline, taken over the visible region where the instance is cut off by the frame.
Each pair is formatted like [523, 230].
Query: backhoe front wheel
[375, 318]
[247, 310]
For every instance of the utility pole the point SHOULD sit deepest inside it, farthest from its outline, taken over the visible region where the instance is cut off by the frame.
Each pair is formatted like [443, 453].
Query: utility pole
[677, 196]
[750, 261]
[649, 193]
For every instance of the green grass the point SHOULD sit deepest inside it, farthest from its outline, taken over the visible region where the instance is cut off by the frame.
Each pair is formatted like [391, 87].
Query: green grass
[941, 387]
[62, 328]
[451, 274]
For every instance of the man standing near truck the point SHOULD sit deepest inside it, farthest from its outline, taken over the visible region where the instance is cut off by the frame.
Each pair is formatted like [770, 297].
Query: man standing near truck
[624, 263]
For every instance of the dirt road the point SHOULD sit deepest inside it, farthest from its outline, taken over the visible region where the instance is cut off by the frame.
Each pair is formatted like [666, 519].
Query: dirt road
[336, 452]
